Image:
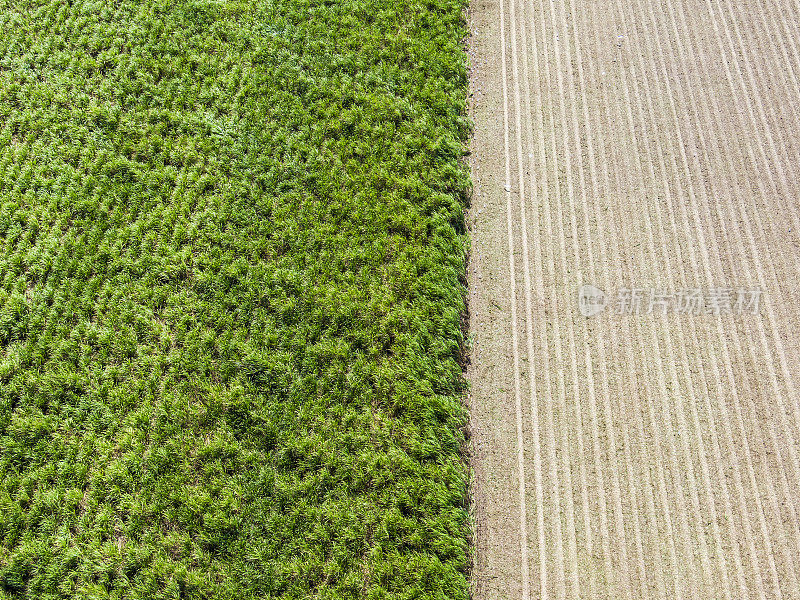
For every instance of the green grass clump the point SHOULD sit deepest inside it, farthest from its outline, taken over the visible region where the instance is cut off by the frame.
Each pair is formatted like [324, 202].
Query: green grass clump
[231, 280]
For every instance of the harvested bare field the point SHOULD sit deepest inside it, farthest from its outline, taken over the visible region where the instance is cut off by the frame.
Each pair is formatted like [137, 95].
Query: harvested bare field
[639, 438]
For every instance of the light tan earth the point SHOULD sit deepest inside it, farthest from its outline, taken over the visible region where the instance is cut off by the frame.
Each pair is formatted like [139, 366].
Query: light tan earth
[635, 144]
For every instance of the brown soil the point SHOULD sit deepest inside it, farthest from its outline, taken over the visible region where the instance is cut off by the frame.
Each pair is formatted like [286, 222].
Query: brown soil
[634, 145]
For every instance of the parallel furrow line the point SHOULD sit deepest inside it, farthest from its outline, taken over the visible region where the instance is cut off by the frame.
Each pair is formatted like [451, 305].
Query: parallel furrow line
[523, 519]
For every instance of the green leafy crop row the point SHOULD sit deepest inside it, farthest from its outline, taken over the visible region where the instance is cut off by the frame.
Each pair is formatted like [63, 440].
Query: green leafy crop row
[231, 279]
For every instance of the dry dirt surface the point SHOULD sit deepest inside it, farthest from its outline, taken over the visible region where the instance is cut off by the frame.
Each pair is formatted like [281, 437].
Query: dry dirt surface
[648, 146]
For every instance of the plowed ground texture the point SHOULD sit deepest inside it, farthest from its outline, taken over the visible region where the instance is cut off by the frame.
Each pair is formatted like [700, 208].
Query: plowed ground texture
[231, 286]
